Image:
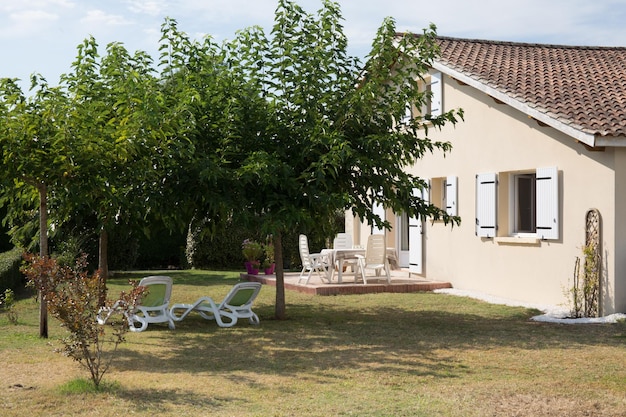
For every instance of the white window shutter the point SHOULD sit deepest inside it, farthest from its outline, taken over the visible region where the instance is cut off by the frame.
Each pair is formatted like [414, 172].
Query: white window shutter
[380, 211]
[451, 195]
[426, 192]
[408, 114]
[547, 203]
[437, 94]
[486, 225]
[415, 239]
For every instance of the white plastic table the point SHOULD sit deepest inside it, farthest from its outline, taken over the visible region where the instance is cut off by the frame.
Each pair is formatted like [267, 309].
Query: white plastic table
[340, 255]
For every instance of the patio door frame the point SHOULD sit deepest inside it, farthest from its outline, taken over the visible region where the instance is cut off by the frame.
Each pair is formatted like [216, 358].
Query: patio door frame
[412, 256]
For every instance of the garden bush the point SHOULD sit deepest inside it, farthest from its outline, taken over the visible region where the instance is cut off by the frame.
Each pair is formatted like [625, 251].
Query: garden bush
[10, 275]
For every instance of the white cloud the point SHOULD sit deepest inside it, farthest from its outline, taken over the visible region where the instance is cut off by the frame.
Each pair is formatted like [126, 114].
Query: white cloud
[102, 18]
[31, 18]
[25, 22]
[11, 5]
[27, 25]
[151, 8]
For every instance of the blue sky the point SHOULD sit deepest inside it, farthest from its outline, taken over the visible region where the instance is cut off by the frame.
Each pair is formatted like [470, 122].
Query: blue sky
[41, 35]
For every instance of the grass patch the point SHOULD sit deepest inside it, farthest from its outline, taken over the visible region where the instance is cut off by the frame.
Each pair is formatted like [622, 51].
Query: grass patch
[86, 386]
[382, 354]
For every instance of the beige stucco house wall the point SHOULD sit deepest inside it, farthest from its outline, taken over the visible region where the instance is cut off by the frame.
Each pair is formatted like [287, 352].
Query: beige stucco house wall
[498, 138]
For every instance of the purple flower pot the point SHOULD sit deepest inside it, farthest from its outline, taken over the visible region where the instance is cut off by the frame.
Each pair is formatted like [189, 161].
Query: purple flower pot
[252, 268]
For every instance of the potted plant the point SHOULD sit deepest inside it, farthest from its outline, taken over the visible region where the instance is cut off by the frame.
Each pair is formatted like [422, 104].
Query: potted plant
[252, 252]
[268, 262]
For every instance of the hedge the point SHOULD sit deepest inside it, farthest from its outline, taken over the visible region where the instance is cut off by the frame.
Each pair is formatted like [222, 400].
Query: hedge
[10, 275]
[223, 249]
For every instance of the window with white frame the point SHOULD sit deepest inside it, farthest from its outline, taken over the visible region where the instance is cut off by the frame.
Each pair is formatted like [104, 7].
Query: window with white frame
[432, 85]
[443, 193]
[529, 204]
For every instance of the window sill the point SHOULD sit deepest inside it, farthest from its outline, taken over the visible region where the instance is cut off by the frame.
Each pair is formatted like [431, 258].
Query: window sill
[529, 241]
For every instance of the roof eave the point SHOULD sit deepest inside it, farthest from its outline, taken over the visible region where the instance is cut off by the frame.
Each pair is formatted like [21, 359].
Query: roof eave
[613, 141]
[577, 134]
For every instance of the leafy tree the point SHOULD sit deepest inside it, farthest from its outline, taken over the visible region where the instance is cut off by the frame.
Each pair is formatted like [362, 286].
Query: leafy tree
[5, 240]
[326, 137]
[214, 112]
[96, 145]
[117, 127]
[33, 155]
[218, 115]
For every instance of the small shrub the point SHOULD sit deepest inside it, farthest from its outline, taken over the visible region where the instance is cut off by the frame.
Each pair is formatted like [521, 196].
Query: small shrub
[72, 297]
[7, 302]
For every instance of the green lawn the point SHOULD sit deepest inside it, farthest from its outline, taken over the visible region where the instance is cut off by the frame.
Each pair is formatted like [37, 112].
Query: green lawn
[364, 355]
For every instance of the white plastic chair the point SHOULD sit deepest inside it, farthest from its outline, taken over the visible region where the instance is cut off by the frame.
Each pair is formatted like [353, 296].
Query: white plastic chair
[152, 308]
[236, 305]
[312, 262]
[375, 258]
[344, 241]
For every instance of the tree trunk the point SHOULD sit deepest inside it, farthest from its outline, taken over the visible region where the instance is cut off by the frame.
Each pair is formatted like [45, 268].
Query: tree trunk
[103, 264]
[280, 277]
[43, 252]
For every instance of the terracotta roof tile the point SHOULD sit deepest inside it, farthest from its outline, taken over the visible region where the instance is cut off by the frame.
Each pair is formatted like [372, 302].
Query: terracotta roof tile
[584, 87]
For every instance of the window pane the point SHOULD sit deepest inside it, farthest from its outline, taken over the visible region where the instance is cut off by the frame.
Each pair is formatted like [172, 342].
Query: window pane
[525, 208]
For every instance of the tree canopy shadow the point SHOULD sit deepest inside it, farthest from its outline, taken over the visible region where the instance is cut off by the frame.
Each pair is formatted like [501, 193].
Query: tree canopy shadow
[315, 341]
